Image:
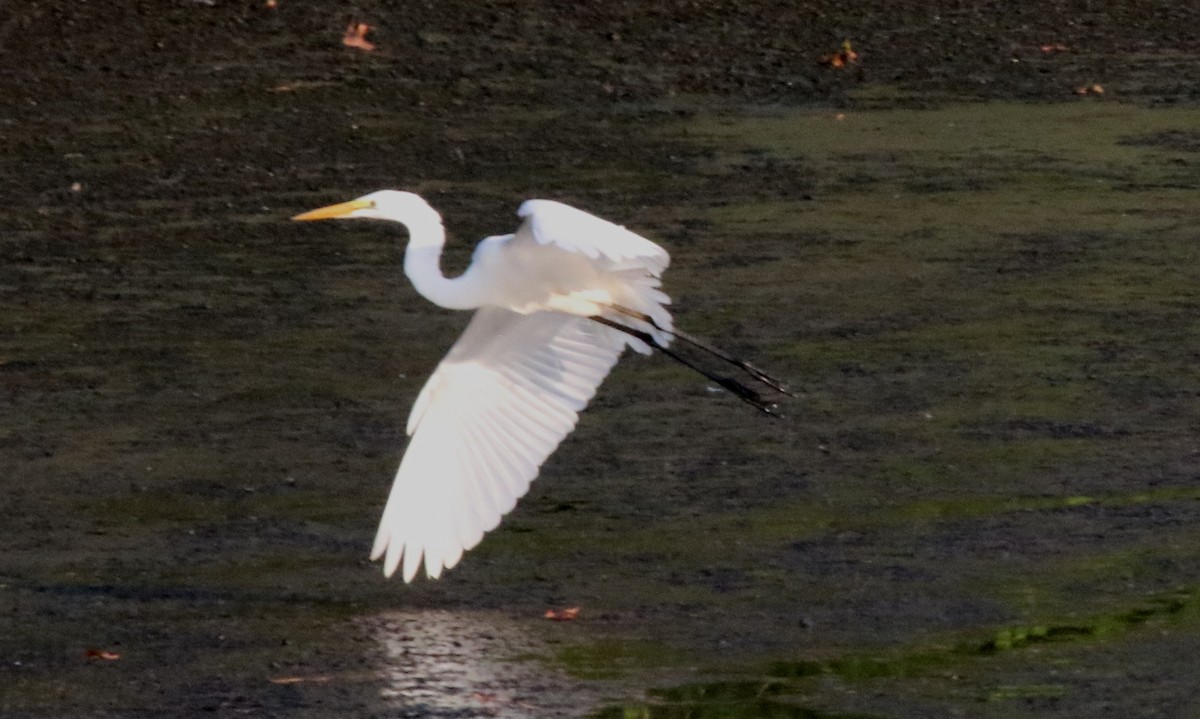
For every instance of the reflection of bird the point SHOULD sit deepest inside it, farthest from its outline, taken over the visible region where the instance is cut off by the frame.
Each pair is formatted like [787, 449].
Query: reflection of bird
[555, 303]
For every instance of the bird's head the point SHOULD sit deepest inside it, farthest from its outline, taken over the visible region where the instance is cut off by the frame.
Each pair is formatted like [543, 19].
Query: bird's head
[392, 205]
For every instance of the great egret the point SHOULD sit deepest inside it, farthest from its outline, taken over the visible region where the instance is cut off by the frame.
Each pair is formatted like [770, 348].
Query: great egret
[555, 305]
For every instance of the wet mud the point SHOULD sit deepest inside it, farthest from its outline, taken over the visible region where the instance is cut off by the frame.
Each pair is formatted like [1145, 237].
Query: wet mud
[978, 272]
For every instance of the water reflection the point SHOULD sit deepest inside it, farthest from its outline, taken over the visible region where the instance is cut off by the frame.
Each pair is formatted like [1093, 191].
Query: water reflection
[466, 664]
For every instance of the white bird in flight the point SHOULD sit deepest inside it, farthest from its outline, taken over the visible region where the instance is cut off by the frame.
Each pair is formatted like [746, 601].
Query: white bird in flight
[555, 305]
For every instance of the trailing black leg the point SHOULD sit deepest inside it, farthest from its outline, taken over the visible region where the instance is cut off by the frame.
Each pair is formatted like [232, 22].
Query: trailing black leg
[743, 392]
[753, 371]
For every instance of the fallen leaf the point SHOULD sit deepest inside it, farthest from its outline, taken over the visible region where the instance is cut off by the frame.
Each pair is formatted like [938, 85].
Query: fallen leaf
[101, 654]
[320, 679]
[1053, 48]
[848, 53]
[272, 4]
[840, 116]
[356, 36]
[562, 615]
[843, 57]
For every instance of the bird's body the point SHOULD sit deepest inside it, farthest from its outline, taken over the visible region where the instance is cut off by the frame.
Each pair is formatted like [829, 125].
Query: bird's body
[555, 305]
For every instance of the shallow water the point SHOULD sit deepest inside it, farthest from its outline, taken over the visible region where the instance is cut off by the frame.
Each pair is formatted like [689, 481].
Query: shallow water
[451, 663]
[982, 504]
[992, 305]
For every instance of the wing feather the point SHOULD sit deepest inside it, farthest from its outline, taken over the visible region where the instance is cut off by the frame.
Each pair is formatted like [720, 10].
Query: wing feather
[501, 401]
[506, 469]
[550, 222]
[630, 264]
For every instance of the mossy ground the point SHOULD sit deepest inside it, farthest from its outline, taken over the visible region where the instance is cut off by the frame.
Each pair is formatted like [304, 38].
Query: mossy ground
[981, 287]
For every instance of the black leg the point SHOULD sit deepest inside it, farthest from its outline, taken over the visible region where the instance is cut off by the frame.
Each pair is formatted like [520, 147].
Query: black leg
[743, 392]
[754, 372]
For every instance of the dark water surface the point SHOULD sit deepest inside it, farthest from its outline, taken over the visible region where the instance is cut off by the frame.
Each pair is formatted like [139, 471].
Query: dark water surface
[982, 286]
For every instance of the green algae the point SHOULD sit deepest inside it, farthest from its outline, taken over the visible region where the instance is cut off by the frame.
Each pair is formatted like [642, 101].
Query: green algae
[785, 683]
[986, 311]
[1002, 277]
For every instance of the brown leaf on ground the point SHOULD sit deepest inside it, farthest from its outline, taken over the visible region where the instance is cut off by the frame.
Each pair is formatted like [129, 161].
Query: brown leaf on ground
[320, 679]
[841, 58]
[356, 36]
[562, 615]
[101, 654]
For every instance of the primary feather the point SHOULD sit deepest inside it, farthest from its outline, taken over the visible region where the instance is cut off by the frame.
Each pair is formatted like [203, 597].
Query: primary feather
[504, 398]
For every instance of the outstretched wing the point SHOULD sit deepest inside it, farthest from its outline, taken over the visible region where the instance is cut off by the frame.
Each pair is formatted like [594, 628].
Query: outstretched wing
[549, 222]
[500, 402]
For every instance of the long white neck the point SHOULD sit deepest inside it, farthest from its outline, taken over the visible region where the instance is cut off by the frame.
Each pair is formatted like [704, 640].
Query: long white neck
[422, 263]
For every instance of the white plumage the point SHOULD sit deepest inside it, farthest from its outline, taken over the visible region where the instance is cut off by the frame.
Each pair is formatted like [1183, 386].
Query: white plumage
[511, 388]
[504, 398]
[553, 223]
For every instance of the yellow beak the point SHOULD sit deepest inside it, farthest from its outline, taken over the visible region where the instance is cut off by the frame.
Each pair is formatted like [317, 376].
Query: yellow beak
[339, 210]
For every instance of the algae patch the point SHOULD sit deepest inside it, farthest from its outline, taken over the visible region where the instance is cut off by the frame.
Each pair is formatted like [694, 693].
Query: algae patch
[782, 686]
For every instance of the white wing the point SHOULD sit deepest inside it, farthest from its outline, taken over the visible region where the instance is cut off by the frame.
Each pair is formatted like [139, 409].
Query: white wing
[500, 402]
[550, 222]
